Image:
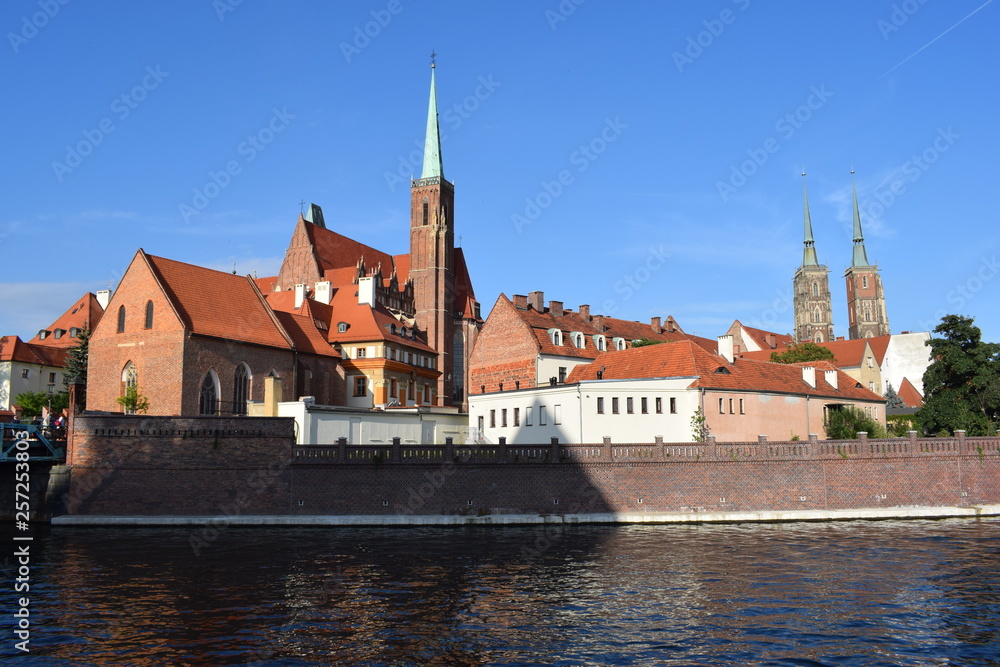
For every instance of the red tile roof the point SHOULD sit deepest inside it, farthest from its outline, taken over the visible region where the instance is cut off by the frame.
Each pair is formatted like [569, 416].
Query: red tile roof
[688, 359]
[909, 394]
[216, 303]
[366, 323]
[307, 338]
[12, 348]
[86, 311]
[847, 353]
[572, 321]
[759, 336]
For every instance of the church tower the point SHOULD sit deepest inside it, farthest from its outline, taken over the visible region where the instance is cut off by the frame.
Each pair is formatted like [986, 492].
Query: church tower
[811, 289]
[432, 251]
[865, 298]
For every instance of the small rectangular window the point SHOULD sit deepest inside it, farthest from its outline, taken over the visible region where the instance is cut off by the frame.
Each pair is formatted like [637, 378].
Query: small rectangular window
[600, 405]
[541, 415]
[722, 406]
[360, 353]
[517, 416]
[673, 405]
[25, 373]
[643, 405]
[361, 386]
[742, 408]
[493, 418]
[732, 409]
[52, 378]
[562, 374]
[503, 418]
[527, 416]
[659, 405]
[557, 414]
[614, 405]
[628, 405]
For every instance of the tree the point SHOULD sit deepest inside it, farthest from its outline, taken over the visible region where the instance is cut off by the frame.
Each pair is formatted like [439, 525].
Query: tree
[76, 362]
[806, 351]
[962, 383]
[32, 402]
[133, 401]
[699, 425]
[847, 422]
[643, 342]
[892, 398]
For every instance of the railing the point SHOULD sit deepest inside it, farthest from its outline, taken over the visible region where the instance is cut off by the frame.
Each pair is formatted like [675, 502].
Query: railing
[647, 453]
[39, 443]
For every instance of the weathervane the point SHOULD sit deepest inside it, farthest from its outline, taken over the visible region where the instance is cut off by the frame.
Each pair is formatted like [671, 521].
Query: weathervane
[433, 56]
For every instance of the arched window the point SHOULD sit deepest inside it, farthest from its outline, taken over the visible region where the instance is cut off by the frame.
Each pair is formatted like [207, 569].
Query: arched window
[241, 389]
[424, 219]
[555, 335]
[208, 399]
[619, 343]
[816, 316]
[149, 314]
[130, 379]
[819, 337]
[600, 342]
[815, 288]
[121, 319]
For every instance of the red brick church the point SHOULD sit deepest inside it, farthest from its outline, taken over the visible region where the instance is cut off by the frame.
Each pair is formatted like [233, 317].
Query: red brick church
[342, 322]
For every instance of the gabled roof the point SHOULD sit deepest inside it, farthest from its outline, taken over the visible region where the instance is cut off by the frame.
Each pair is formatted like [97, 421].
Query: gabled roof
[847, 353]
[307, 338]
[336, 251]
[216, 303]
[909, 394]
[570, 321]
[12, 348]
[712, 371]
[85, 312]
[366, 323]
[760, 337]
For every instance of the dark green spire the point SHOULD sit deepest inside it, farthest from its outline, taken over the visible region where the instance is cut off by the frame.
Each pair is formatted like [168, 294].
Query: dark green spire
[808, 252]
[432, 142]
[860, 256]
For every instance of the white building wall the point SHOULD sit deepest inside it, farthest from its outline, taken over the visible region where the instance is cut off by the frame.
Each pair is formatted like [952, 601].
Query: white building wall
[12, 383]
[578, 416]
[548, 366]
[316, 425]
[906, 356]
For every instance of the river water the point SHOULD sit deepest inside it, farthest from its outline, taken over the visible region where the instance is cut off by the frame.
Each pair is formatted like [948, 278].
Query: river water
[847, 593]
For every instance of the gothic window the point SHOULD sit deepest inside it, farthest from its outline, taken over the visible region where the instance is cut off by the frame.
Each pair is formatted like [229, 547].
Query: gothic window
[868, 314]
[819, 337]
[424, 218]
[816, 316]
[208, 398]
[815, 288]
[241, 389]
[864, 282]
[130, 376]
[149, 314]
[121, 319]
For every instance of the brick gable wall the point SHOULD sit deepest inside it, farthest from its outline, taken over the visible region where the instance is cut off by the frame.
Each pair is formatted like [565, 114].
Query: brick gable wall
[506, 351]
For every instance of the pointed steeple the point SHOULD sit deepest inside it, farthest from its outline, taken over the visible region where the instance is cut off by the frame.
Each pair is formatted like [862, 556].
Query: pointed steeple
[809, 251]
[432, 141]
[860, 256]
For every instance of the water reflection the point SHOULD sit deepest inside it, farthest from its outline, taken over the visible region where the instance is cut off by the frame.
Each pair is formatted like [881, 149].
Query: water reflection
[857, 593]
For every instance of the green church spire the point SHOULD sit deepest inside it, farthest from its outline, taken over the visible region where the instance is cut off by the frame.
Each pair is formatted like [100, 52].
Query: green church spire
[809, 251]
[860, 256]
[432, 142]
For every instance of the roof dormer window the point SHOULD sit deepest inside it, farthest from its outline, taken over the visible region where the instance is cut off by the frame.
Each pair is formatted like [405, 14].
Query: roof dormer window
[74, 332]
[578, 341]
[43, 334]
[555, 335]
[619, 342]
[601, 342]
[59, 333]
[392, 329]
[342, 327]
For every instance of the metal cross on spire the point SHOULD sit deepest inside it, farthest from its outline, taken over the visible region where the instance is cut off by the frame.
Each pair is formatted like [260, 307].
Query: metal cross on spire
[433, 56]
[302, 206]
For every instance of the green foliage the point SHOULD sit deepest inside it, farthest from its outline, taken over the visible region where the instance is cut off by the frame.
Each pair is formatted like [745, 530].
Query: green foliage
[847, 422]
[899, 425]
[133, 401]
[962, 384]
[806, 351]
[643, 342]
[32, 402]
[77, 358]
[699, 426]
[892, 398]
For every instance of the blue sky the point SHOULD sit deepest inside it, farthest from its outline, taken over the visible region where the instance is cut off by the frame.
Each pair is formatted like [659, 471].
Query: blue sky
[640, 157]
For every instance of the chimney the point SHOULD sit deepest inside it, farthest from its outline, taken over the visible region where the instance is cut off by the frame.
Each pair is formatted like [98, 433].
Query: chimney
[655, 322]
[520, 302]
[366, 291]
[671, 324]
[300, 295]
[324, 292]
[770, 340]
[537, 301]
[104, 298]
[809, 375]
[555, 307]
[840, 338]
[585, 312]
[831, 378]
[726, 347]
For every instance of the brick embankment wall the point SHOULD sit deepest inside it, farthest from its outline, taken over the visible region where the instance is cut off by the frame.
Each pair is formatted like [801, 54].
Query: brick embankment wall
[248, 466]
[135, 465]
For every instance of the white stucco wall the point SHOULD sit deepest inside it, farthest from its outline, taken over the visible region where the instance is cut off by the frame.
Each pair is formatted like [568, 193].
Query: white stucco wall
[317, 425]
[548, 366]
[12, 384]
[906, 356]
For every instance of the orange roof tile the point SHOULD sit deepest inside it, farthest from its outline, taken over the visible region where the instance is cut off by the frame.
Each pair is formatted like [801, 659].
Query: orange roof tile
[909, 394]
[760, 337]
[216, 303]
[86, 311]
[687, 359]
[366, 323]
[305, 335]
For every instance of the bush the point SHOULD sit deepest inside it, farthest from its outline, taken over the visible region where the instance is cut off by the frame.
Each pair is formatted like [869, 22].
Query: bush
[846, 423]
